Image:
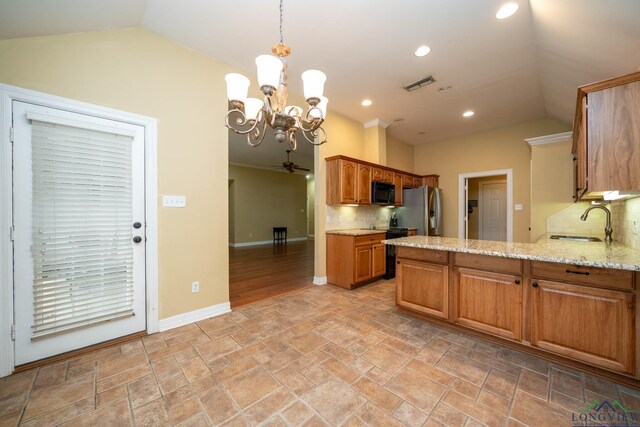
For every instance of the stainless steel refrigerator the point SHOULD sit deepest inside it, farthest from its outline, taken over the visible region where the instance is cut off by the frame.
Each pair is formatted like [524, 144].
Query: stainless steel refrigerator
[422, 210]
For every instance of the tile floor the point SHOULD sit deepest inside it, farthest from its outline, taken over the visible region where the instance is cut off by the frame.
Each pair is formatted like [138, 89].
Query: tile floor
[322, 356]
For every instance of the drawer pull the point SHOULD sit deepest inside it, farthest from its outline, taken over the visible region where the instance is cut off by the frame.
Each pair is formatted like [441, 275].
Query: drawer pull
[586, 273]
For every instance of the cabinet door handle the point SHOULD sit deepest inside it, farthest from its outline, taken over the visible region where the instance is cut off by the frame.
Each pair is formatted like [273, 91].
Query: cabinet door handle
[586, 273]
[534, 284]
[517, 281]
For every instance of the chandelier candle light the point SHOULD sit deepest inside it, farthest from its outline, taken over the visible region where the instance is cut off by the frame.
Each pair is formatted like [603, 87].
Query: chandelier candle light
[250, 116]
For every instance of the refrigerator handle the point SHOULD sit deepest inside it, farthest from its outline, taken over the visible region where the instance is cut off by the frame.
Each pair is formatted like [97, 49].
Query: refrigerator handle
[438, 211]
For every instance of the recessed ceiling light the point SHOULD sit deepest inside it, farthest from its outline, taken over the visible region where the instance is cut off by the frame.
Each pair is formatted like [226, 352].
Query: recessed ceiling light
[398, 120]
[506, 10]
[445, 89]
[421, 133]
[366, 102]
[468, 113]
[422, 51]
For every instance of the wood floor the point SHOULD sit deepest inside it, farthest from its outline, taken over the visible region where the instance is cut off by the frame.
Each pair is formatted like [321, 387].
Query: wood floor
[265, 271]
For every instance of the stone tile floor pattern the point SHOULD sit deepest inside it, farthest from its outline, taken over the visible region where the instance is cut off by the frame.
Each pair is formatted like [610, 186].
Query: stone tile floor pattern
[322, 356]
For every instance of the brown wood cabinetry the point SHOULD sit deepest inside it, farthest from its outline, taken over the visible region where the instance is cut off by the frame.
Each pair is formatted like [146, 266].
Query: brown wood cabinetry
[423, 287]
[606, 146]
[412, 232]
[382, 175]
[349, 180]
[582, 316]
[397, 184]
[430, 180]
[584, 323]
[354, 260]
[490, 302]
[363, 196]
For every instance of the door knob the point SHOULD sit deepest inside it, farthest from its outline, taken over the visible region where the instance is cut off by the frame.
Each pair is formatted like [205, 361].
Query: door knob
[517, 281]
[137, 239]
[534, 284]
[137, 225]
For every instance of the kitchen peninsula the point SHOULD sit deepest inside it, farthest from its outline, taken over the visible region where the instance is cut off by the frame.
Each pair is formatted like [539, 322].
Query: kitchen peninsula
[570, 302]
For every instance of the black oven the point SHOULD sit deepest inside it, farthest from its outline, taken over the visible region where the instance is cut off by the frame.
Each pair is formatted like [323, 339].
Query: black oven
[393, 233]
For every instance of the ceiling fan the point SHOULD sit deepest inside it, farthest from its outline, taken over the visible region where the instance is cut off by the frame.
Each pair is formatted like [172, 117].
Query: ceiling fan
[292, 167]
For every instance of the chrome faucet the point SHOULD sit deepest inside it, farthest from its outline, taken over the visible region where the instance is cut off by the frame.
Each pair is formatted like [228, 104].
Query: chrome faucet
[608, 230]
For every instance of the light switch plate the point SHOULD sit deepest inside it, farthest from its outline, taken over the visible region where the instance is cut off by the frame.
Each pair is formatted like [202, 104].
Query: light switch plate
[518, 206]
[174, 201]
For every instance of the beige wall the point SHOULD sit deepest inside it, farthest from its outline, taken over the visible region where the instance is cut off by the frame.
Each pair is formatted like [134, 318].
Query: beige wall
[400, 155]
[551, 183]
[375, 144]
[346, 137]
[265, 199]
[138, 71]
[502, 148]
[311, 185]
[474, 194]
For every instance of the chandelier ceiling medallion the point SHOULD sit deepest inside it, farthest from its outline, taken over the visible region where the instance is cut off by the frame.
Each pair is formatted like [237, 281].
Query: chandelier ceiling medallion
[250, 116]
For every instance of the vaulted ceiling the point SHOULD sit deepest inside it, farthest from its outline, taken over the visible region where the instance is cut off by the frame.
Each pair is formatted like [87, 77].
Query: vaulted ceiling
[508, 71]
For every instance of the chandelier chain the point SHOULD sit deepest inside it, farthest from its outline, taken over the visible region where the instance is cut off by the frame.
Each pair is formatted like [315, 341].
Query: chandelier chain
[281, 38]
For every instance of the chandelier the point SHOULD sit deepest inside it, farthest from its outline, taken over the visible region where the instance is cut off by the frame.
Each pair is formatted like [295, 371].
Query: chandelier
[250, 116]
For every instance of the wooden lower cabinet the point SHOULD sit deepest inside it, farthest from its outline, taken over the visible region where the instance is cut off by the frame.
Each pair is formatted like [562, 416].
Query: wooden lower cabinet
[584, 323]
[354, 260]
[423, 287]
[379, 260]
[490, 302]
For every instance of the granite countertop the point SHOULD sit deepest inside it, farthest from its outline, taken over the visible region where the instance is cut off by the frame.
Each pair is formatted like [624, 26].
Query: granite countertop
[360, 231]
[596, 254]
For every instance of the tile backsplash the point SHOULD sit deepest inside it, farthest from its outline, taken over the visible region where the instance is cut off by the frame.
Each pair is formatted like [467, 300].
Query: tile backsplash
[626, 222]
[625, 218]
[346, 217]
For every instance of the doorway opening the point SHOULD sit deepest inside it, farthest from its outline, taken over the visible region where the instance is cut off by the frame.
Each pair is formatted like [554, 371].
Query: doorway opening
[271, 219]
[485, 205]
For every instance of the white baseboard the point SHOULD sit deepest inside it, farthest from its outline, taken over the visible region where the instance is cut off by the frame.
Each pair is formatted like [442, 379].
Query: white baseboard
[194, 316]
[312, 236]
[263, 242]
[319, 280]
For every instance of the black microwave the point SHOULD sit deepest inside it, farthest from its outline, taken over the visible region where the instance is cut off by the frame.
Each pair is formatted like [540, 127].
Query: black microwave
[383, 193]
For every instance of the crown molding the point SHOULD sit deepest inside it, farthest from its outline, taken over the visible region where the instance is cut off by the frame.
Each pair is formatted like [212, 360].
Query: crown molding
[376, 122]
[548, 139]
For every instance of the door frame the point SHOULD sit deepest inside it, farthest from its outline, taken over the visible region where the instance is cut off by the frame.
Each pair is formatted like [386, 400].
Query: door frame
[8, 94]
[462, 207]
[481, 201]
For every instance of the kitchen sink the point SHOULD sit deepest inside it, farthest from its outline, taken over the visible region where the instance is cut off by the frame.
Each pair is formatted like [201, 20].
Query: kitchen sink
[576, 238]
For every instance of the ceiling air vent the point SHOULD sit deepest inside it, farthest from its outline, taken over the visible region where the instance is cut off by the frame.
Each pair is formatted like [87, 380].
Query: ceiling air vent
[420, 83]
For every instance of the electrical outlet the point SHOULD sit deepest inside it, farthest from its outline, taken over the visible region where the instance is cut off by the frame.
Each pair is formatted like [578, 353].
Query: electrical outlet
[195, 287]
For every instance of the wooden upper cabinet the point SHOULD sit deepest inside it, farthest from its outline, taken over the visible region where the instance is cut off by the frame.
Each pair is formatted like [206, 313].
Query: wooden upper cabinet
[364, 185]
[376, 175]
[606, 145]
[489, 302]
[430, 181]
[387, 176]
[348, 176]
[584, 323]
[397, 183]
[407, 181]
[417, 182]
[348, 182]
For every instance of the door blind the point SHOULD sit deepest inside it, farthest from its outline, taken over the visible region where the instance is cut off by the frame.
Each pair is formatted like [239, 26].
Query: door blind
[82, 214]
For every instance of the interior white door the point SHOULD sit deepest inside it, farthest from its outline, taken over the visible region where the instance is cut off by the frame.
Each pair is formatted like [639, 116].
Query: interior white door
[466, 208]
[493, 210]
[79, 245]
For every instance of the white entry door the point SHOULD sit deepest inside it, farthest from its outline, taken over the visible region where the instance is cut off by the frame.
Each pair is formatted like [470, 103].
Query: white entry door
[493, 210]
[79, 240]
